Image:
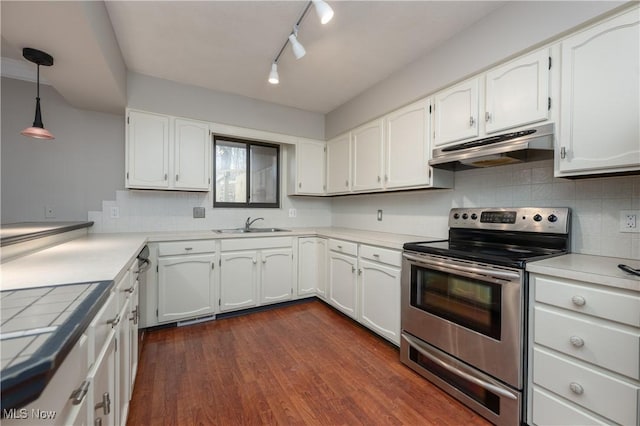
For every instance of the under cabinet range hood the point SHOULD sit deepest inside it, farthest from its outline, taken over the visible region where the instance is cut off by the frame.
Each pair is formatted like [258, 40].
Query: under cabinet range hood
[533, 144]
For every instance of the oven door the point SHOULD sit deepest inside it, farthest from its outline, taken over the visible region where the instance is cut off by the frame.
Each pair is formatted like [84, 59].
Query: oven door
[469, 310]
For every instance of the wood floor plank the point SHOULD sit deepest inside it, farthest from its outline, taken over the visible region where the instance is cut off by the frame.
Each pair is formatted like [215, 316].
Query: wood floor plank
[303, 364]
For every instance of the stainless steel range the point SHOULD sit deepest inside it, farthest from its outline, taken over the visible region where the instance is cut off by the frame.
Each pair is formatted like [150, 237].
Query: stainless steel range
[464, 303]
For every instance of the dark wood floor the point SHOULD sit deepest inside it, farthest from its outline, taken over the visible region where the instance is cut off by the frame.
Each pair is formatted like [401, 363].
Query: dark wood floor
[300, 364]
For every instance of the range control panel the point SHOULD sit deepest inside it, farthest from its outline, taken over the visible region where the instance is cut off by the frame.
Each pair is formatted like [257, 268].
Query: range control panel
[522, 219]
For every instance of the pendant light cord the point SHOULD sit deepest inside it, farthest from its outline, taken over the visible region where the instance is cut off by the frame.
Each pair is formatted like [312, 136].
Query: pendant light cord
[38, 83]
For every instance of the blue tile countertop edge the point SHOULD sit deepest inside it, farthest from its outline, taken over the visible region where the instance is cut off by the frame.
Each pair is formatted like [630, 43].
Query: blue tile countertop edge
[49, 228]
[24, 382]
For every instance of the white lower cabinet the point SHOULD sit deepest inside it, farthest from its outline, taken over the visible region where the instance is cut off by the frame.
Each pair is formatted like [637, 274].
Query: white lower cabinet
[343, 283]
[187, 280]
[256, 271]
[584, 352]
[380, 293]
[312, 266]
[103, 396]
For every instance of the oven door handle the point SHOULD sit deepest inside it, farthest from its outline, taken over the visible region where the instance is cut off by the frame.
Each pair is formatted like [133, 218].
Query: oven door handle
[468, 376]
[468, 269]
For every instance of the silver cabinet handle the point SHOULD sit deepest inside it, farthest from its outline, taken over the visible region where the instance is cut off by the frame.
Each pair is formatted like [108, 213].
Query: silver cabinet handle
[487, 116]
[360, 271]
[576, 341]
[376, 255]
[188, 248]
[379, 179]
[264, 260]
[576, 388]
[78, 395]
[300, 185]
[472, 121]
[165, 176]
[176, 178]
[129, 290]
[353, 269]
[346, 183]
[563, 152]
[134, 316]
[340, 247]
[97, 421]
[254, 261]
[114, 322]
[578, 300]
[457, 371]
[105, 404]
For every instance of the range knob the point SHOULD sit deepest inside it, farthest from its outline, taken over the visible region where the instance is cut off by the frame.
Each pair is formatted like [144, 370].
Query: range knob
[474, 216]
[465, 216]
[537, 218]
[552, 218]
[456, 215]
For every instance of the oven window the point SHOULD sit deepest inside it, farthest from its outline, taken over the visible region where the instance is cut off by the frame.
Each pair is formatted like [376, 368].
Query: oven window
[488, 399]
[470, 303]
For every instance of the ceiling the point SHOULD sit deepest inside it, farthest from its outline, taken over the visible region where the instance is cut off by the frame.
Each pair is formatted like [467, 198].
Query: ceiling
[228, 46]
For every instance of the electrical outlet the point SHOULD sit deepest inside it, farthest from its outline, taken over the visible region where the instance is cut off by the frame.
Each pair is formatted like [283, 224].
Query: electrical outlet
[629, 221]
[115, 212]
[198, 212]
[49, 212]
[293, 213]
[379, 215]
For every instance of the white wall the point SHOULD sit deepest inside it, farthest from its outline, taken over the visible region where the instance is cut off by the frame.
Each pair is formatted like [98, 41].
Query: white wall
[167, 97]
[512, 29]
[83, 165]
[595, 204]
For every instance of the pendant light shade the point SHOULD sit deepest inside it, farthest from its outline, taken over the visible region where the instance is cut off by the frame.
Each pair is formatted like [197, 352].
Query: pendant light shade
[298, 49]
[273, 75]
[324, 11]
[39, 58]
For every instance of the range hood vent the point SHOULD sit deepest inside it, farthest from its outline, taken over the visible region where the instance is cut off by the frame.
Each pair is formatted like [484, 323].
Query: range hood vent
[533, 144]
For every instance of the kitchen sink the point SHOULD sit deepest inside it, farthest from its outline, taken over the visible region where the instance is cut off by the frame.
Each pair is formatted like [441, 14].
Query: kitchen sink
[250, 230]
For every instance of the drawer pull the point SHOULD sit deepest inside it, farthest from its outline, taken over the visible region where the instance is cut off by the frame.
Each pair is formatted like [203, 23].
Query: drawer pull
[105, 404]
[188, 248]
[114, 322]
[129, 290]
[578, 300]
[576, 341]
[376, 255]
[340, 247]
[576, 388]
[78, 395]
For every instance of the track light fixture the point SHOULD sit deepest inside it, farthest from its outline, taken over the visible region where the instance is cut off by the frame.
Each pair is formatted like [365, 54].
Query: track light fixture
[325, 13]
[38, 57]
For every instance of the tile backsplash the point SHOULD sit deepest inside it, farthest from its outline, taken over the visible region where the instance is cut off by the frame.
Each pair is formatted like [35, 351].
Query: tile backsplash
[595, 203]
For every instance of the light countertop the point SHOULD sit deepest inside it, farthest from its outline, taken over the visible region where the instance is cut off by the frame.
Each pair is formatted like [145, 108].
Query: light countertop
[593, 269]
[13, 233]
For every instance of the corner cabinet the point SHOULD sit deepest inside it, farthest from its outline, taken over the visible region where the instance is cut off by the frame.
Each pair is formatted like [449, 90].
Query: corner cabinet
[164, 152]
[312, 267]
[600, 113]
[307, 165]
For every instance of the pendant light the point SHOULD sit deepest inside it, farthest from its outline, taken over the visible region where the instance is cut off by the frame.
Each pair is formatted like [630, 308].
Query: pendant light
[38, 57]
[324, 11]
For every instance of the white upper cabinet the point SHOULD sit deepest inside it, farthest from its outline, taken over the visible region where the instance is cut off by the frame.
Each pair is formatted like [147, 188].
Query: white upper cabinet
[339, 164]
[191, 155]
[147, 150]
[165, 152]
[456, 113]
[367, 145]
[600, 116]
[517, 93]
[307, 167]
[407, 148]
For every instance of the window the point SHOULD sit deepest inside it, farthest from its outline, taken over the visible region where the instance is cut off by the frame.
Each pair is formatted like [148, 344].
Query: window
[247, 174]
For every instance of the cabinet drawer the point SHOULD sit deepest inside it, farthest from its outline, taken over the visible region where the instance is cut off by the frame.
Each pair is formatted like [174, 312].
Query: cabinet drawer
[101, 326]
[255, 243]
[597, 342]
[551, 410]
[377, 254]
[605, 395]
[345, 247]
[601, 303]
[186, 247]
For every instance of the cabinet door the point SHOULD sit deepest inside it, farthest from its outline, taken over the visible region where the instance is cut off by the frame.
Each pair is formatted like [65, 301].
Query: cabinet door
[123, 352]
[343, 283]
[191, 164]
[367, 143]
[338, 165]
[276, 275]
[407, 149]
[380, 298]
[517, 93]
[134, 321]
[456, 113]
[238, 280]
[310, 167]
[147, 150]
[600, 111]
[186, 286]
[102, 393]
[312, 264]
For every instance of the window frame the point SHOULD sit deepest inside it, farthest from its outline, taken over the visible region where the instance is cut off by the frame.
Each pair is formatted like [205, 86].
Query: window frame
[247, 204]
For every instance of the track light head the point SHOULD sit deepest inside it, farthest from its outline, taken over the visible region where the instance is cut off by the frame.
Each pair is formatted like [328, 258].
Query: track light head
[298, 49]
[273, 75]
[324, 11]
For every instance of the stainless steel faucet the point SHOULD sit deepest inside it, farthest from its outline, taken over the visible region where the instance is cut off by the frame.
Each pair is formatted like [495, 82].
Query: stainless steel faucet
[249, 222]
